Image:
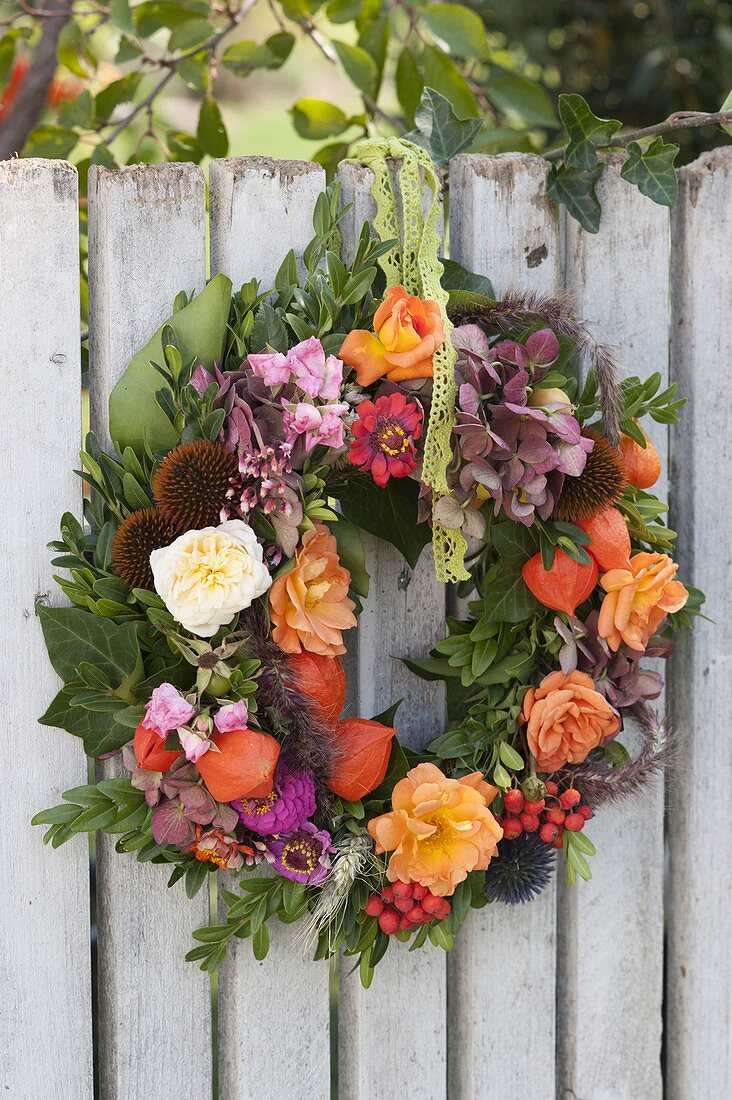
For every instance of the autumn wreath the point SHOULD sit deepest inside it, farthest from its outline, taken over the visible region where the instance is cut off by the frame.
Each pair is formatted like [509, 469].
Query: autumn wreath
[220, 568]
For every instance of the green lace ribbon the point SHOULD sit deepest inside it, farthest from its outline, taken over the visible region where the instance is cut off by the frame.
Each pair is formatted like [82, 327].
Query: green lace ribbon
[414, 263]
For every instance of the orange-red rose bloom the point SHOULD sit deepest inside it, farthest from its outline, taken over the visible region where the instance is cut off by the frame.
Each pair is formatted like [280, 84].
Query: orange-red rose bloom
[310, 605]
[639, 599]
[407, 333]
[439, 830]
[566, 719]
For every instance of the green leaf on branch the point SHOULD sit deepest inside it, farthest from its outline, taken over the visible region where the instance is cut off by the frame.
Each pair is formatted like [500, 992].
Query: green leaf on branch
[211, 130]
[359, 67]
[317, 119]
[457, 29]
[439, 130]
[243, 57]
[586, 132]
[575, 189]
[652, 170]
[522, 101]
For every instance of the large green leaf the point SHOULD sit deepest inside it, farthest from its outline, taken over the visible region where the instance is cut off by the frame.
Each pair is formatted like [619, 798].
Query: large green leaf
[439, 130]
[575, 188]
[318, 119]
[456, 28]
[99, 731]
[507, 599]
[74, 636]
[351, 555]
[585, 131]
[389, 513]
[522, 101]
[652, 170]
[359, 66]
[200, 330]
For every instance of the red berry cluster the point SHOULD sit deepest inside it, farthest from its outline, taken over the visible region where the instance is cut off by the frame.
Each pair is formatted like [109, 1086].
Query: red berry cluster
[549, 816]
[402, 905]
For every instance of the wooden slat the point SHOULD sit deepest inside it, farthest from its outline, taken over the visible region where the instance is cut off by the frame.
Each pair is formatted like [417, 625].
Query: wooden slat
[392, 1036]
[146, 242]
[501, 971]
[699, 970]
[611, 929]
[45, 1008]
[260, 209]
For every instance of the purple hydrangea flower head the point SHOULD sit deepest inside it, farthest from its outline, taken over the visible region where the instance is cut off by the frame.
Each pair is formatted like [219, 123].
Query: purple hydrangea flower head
[286, 809]
[303, 856]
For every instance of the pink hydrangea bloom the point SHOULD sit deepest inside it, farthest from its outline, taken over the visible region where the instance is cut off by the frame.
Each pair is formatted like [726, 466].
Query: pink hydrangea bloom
[318, 424]
[271, 366]
[232, 716]
[314, 374]
[167, 710]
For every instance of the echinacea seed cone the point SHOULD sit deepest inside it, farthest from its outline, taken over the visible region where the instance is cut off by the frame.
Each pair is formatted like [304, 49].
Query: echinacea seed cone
[599, 486]
[191, 483]
[136, 538]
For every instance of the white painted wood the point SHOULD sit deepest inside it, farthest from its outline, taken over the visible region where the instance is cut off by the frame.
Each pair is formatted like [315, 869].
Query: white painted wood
[392, 1037]
[699, 899]
[501, 972]
[146, 242]
[45, 958]
[259, 210]
[611, 929]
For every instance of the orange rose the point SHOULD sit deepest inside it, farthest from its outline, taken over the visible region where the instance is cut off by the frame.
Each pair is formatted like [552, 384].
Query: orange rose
[310, 605]
[566, 719]
[439, 830]
[639, 599]
[407, 332]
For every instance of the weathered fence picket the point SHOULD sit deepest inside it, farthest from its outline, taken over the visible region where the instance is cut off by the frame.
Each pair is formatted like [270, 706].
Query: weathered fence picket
[610, 931]
[45, 983]
[579, 970]
[146, 242]
[403, 616]
[281, 1004]
[699, 895]
[502, 226]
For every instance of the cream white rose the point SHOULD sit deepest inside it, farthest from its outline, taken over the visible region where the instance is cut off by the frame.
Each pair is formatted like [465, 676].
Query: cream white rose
[205, 577]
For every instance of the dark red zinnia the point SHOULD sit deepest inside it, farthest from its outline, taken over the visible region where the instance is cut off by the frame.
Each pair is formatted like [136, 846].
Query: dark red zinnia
[384, 437]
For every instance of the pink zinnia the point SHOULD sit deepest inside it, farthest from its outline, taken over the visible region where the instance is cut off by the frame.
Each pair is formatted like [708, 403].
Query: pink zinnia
[384, 436]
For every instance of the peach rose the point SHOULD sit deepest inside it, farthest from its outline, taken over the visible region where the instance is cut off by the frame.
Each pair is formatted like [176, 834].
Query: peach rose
[310, 605]
[439, 829]
[407, 332]
[638, 600]
[566, 719]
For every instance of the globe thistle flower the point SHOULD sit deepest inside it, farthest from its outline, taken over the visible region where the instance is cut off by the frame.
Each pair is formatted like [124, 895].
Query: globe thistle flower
[302, 856]
[521, 870]
[286, 809]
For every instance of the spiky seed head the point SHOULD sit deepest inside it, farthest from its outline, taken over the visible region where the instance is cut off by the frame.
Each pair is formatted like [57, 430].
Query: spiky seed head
[191, 482]
[599, 486]
[520, 870]
[136, 538]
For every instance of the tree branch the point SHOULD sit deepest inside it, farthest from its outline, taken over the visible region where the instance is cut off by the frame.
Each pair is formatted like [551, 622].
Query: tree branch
[680, 120]
[36, 83]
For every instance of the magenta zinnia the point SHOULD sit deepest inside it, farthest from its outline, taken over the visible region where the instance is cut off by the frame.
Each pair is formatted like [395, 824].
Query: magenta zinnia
[384, 437]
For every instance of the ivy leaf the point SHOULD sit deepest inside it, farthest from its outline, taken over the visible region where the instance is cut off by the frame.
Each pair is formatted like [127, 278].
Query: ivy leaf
[389, 513]
[456, 277]
[585, 132]
[73, 637]
[508, 600]
[439, 130]
[575, 189]
[652, 171]
[99, 731]
[457, 29]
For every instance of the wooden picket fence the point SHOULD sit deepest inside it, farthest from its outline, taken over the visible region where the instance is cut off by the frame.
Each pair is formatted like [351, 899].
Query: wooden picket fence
[620, 989]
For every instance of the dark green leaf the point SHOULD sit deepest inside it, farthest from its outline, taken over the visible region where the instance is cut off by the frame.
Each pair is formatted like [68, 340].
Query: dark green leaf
[575, 189]
[390, 513]
[74, 636]
[359, 67]
[211, 131]
[652, 171]
[522, 101]
[585, 132]
[317, 119]
[439, 130]
[456, 28]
